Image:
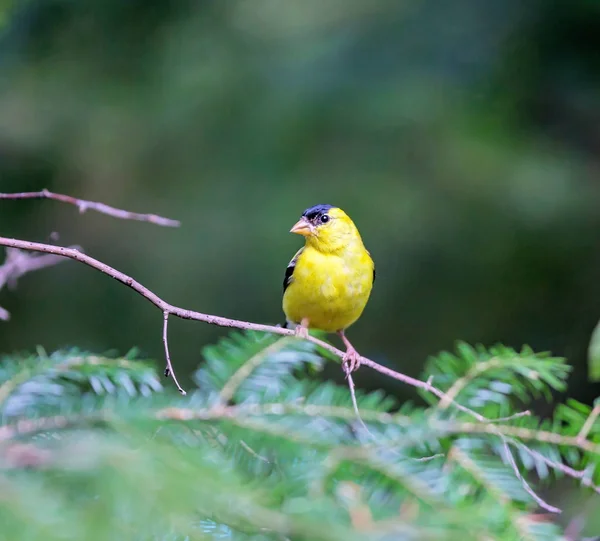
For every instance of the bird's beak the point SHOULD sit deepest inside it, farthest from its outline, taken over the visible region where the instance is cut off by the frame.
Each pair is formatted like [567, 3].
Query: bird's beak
[302, 227]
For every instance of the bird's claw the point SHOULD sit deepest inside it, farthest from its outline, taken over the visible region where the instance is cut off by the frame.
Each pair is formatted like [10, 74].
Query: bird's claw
[351, 361]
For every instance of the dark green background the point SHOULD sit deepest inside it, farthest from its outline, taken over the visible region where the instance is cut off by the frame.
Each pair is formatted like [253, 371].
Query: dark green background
[462, 137]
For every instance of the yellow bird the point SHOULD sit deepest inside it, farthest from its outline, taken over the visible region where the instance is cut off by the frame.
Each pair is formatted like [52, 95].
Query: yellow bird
[328, 282]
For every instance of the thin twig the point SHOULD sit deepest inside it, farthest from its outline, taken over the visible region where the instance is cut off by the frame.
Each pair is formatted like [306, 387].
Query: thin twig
[182, 313]
[511, 460]
[169, 368]
[355, 403]
[84, 205]
[518, 415]
[584, 476]
[413, 382]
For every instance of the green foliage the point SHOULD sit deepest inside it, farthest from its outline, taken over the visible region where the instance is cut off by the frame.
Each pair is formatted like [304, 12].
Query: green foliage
[490, 380]
[95, 448]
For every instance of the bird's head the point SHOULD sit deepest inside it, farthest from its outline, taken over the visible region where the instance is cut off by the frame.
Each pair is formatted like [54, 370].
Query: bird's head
[327, 228]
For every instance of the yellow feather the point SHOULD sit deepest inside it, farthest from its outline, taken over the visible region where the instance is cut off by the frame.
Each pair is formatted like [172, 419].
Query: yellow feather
[332, 278]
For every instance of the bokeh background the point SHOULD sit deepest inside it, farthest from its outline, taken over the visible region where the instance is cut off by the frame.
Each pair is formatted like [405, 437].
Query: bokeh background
[462, 137]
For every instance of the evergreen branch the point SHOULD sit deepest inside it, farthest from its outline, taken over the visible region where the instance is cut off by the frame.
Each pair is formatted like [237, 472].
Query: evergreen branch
[244, 416]
[229, 389]
[363, 456]
[28, 427]
[83, 205]
[463, 459]
[453, 392]
[447, 427]
[461, 383]
[589, 422]
[526, 434]
[42, 385]
[170, 309]
[247, 411]
[468, 464]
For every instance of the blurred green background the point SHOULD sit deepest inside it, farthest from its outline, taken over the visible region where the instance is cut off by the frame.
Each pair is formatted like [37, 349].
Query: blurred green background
[462, 137]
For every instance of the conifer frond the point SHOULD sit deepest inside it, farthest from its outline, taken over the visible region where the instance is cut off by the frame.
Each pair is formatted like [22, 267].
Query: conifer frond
[33, 385]
[494, 380]
[92, 448]
[253, 366]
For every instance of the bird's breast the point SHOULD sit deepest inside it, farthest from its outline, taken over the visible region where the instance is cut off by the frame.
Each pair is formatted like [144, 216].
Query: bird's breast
[330, 291]
[333, 277]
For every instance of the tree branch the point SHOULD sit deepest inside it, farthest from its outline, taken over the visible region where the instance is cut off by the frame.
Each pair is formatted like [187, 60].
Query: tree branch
[168, 309]
[511, 460]
[84, 205]
[169, 368]
[584, 476]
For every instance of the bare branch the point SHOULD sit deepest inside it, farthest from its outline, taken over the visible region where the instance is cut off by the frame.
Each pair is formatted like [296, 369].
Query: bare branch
[84, 205]
[355, 403]
[413, 382]
[169, 368]
[169, 309]
[584, 476]
[511, 460]
[18, 263]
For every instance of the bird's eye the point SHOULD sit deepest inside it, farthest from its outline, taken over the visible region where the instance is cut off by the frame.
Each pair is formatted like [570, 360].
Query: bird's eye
[324, 219]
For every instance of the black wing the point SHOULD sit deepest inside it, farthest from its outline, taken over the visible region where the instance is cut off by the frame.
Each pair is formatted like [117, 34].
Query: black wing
[287, 279]
[374, 274]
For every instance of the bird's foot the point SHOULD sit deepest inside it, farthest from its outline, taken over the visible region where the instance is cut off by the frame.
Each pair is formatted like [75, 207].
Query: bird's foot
[350, 360]
[301, 330]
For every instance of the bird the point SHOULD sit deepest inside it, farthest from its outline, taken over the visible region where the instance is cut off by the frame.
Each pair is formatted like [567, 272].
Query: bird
[329, 280]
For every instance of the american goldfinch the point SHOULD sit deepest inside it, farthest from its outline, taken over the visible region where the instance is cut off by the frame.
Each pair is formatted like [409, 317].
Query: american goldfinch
[328, 282]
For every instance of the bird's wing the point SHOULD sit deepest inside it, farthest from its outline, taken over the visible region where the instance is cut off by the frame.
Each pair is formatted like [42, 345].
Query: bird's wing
[287, 280]
[374, 273]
